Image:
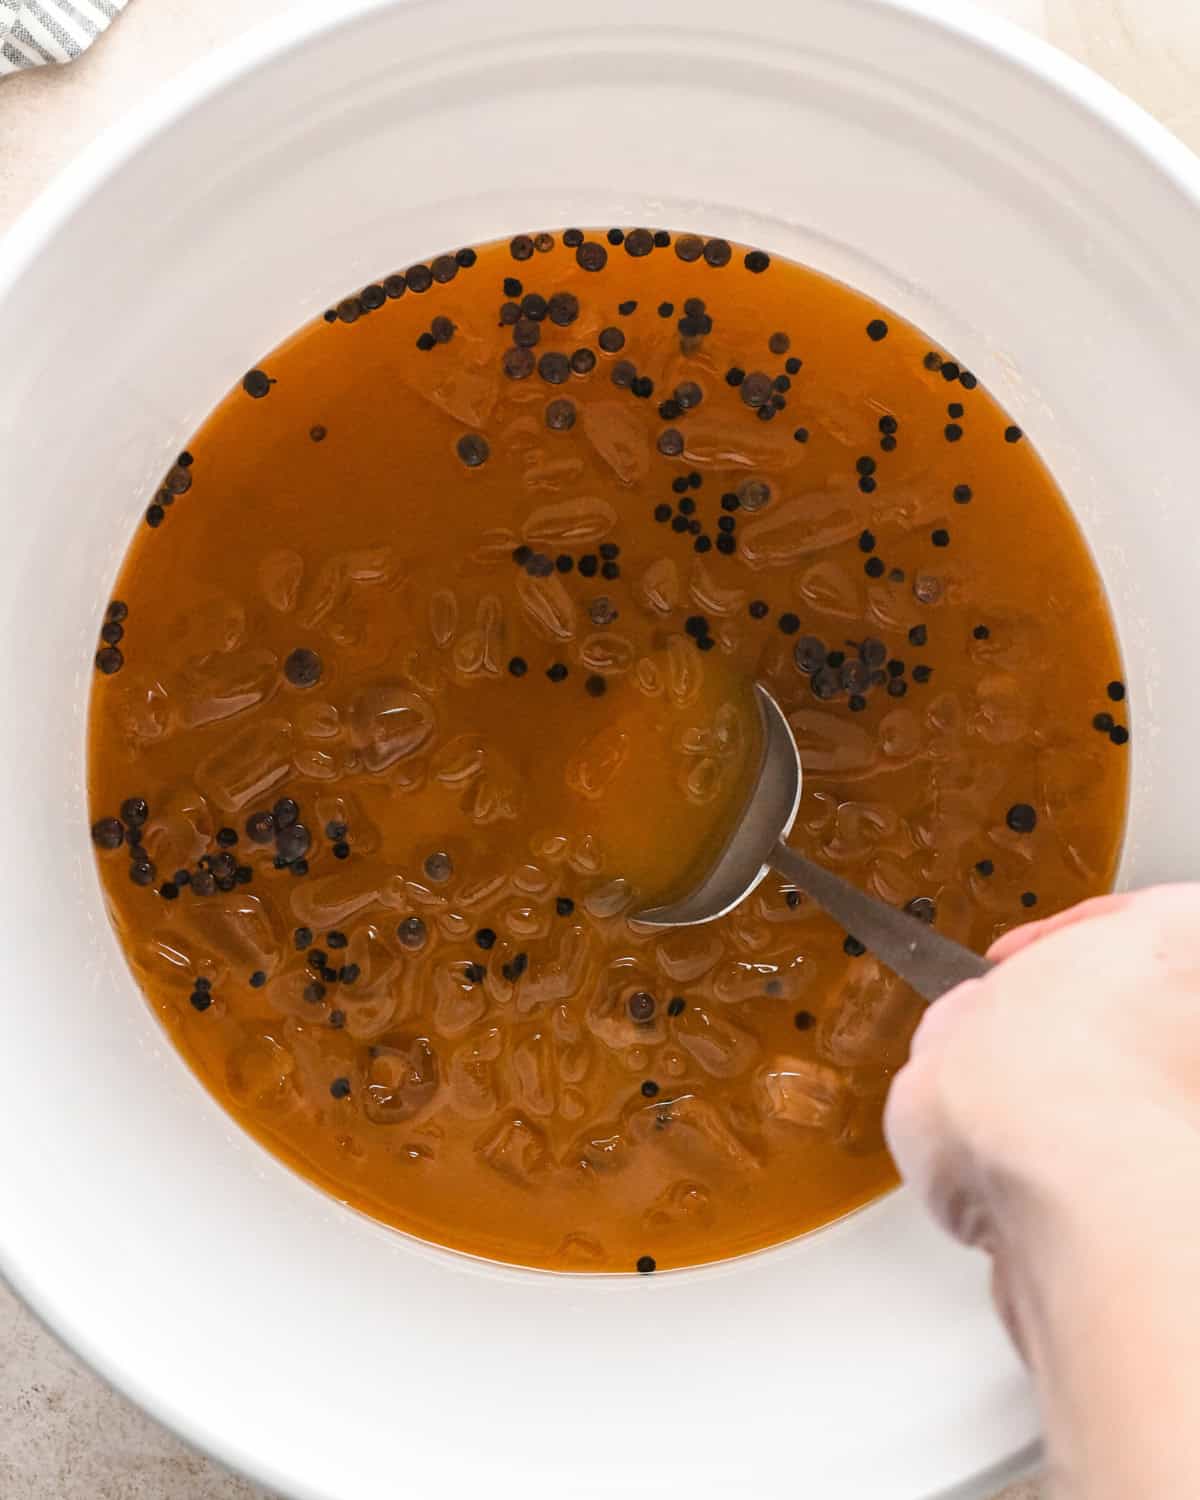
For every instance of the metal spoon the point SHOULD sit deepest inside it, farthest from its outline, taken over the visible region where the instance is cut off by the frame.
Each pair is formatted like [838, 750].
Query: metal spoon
[931, 963]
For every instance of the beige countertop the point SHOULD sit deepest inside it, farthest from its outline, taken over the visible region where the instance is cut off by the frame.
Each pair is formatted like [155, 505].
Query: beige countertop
[63, 1434]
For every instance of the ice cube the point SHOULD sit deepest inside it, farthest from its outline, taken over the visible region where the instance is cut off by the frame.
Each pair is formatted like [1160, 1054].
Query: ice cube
[695, 1128]
[515, 1148]
[859, 828]
[402, 1078]
[237, 930]
[532, 881]
[900, 734]
[249, 764]
[584, 855]
[828, 588]
[550, 980]
[319, 765]
[648, 678]
[466, 392]
[684, 673]
[181, 836]
[443, 616]
[580, 1250]
[497, 796]
[606, 652]
[341, 573]
[322, 901]
[703, 781]
[686, 954]
[792, 529]
[712, 597]
[213, 624]
[318, 721]
[570, 523]
[1002, 708]
[684, 1201]
[598, 761]
[609, 899]
[572, 1104]
[805, 1093]
[459, 761]
[534, 1071]
[457, 1003]
[831, 745]
[141, 708]
[495, 545]
[526, 923]
[389, 722]
[608, 1014]
[738, 979]
[547, 472]
[547, 606]
[473, 1082]
[722, 1049]
[601, 1148]
[619, 437]
[279, 577]
[260, 1073]
[863, 1131]
[658, 589]
[872, 1021]
[479, 890]
[575, 1060]
[477, 652]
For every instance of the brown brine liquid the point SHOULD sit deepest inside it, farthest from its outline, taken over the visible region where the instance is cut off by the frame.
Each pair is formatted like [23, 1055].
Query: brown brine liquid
[430, 667]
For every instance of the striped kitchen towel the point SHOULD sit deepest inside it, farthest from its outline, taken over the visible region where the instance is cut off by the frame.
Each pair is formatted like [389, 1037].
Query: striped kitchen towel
[50, 31]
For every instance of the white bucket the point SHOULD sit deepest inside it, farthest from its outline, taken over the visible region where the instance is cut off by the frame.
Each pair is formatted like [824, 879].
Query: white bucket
[1024, 215]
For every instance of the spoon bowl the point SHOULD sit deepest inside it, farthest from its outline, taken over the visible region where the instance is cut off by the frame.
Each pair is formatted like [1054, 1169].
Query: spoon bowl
[765, 820]
[911, 948]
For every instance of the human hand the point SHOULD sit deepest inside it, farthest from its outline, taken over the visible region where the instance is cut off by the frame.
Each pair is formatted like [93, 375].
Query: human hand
[1050, 1114]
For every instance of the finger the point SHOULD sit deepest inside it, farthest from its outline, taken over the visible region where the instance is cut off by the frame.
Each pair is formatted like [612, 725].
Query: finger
[1006, 1304]
[943, 1018]
[910, 1123]
[1033, 932]
[913, 1125]
[932, 1159]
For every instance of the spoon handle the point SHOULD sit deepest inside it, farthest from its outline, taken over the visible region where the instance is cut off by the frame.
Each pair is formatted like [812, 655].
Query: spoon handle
[931, 963]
